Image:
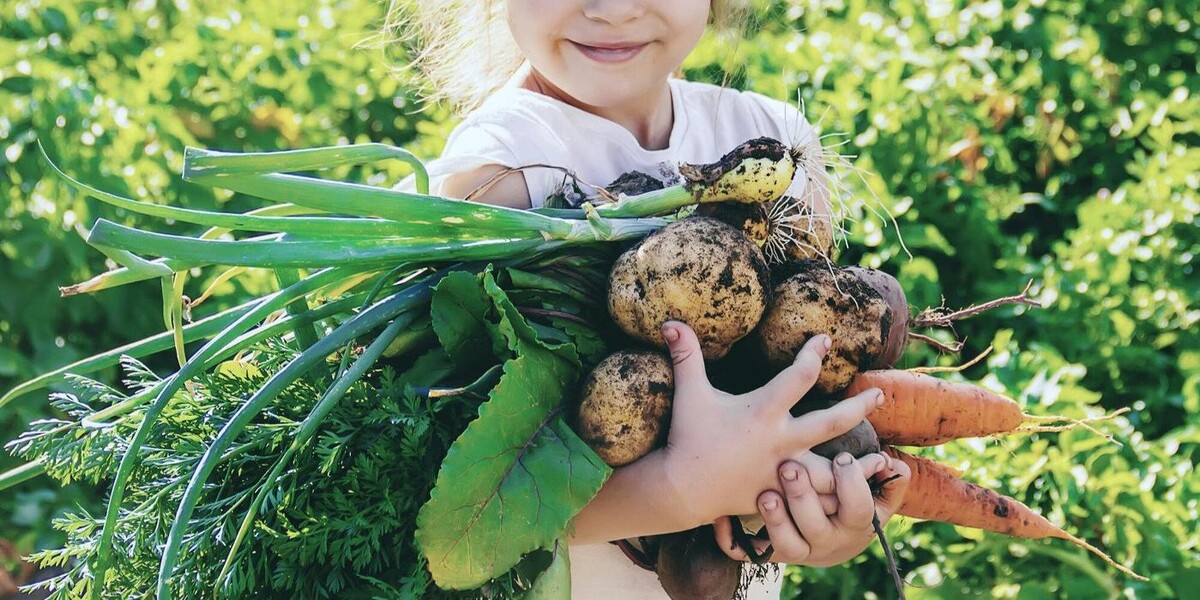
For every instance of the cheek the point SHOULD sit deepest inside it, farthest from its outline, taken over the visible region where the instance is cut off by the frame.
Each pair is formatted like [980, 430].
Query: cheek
[527, 22]
[689, 21]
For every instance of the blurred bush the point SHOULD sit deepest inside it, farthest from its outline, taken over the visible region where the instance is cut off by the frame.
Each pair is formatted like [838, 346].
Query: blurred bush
[115, 92]
[1037, 140]
[1043, 140]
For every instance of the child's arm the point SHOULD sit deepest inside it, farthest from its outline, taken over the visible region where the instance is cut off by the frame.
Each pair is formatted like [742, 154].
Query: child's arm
[721, 451]
[509, 190]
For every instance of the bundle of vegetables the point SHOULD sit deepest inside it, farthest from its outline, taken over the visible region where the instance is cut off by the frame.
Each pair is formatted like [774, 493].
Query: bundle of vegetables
[392, 417]
[398, 418]
[752, 315]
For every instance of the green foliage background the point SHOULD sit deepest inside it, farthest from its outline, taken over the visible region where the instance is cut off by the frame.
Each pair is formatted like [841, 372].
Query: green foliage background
[1043, 140]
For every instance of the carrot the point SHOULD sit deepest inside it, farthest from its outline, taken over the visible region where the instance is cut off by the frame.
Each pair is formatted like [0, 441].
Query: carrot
[937, 494]
[921, 410]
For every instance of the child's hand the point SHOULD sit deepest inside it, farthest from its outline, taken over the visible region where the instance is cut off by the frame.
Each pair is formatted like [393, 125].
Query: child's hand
[722, 450]
[800, 525]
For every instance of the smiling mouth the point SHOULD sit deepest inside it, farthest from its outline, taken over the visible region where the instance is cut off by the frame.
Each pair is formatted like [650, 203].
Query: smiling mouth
[609, 54]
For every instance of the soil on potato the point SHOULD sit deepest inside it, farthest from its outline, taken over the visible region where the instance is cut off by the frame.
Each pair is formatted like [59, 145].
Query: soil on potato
[812, 298]
[625, 407]
[699, 271]
[750, 219]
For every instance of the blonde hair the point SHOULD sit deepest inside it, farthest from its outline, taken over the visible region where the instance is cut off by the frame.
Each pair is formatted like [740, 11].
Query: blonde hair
[463, 49]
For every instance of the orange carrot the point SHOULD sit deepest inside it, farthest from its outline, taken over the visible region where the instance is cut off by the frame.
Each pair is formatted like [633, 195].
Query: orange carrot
[921, 410]
[937, 494]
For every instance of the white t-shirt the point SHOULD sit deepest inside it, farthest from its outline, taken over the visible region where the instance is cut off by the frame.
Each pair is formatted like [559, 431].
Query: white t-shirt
[518, 127]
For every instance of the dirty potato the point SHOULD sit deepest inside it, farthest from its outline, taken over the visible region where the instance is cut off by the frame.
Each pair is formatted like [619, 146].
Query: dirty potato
[699, 271]
[625, 410]
[810, 298]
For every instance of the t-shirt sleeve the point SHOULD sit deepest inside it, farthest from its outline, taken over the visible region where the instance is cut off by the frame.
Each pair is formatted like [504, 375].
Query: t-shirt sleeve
[469, 147]
[478, 143]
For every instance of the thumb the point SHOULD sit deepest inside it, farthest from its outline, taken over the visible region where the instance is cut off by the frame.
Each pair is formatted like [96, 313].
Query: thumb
[686, 356]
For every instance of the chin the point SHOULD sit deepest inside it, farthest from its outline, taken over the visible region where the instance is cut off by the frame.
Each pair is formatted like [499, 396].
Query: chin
[610, 96]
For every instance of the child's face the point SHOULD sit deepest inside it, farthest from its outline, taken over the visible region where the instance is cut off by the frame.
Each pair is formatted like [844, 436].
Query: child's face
[607, 53]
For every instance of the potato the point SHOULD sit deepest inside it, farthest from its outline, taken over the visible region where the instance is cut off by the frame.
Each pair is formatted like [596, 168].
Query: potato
[699, 271]
[812, 298]
[750, 219]
[625, 410]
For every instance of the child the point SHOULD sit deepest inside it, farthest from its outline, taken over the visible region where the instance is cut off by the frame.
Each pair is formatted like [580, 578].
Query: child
[587, 85]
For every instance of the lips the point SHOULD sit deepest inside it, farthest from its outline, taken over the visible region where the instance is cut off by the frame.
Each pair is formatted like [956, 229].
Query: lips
[610, 53]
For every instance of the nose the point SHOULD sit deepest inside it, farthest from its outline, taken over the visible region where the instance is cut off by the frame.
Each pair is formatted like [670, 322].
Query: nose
[614, 12]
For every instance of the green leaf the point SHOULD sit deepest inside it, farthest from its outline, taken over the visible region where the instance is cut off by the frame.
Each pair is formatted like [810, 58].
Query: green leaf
[513, 329]
[460, 318]
[553, 579]
[1123, 324]
[10, 362]
[512, 481]
[587, 342]
[428, 369]
[927, 237]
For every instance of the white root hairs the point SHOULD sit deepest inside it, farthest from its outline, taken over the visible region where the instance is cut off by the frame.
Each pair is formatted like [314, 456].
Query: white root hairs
[790, 225]
[790, 219]
[819, 156]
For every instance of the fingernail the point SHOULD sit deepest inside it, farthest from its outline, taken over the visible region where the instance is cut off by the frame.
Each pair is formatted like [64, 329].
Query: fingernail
[878, 397]
[844, 459]
[826, 342]
[770, 504]
[791, 474]
[670, 333]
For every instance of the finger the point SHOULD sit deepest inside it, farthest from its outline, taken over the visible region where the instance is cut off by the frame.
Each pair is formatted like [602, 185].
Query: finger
[686, 355]
[891, 495]
[792, 383]
[856, 505]
[820, 472]
[823, 425]
[873, 464]
[784, 535]
[829, 503]
[804, 504]
[723, 532]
